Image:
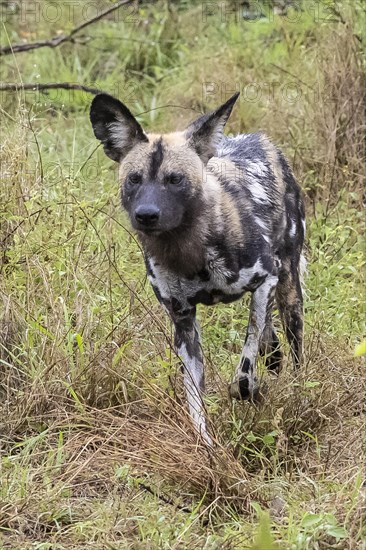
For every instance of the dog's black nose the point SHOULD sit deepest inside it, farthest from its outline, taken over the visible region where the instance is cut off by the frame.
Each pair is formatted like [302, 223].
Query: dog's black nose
[147, 215]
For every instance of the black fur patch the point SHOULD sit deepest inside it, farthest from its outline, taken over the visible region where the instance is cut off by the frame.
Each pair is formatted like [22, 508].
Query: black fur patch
[244, 388]
[245, 393]
[156, 159]
[256, 281]
[149, 271]
[230, 279]
[176, 305]
[204, 275]
[228, 298]
[246, 365]
[249, 256]
[208, 298]
[157, 293]
[201, 297]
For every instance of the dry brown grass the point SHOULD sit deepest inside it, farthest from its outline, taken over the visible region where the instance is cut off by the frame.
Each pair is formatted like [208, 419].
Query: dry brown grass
[340, 118]
[319, 443]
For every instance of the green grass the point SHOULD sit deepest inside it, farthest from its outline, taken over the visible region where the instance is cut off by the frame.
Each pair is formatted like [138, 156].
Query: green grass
[97, 449]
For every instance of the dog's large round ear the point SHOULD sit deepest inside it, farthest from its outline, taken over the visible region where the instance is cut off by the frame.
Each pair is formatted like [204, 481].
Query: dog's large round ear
[206, 132]
[115, 126]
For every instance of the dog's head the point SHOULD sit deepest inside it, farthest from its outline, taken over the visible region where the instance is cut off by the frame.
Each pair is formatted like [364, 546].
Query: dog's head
[162, 175]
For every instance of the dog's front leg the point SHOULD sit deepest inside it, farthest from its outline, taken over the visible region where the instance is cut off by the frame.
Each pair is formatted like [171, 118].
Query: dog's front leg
[245, 384]
[188, 347]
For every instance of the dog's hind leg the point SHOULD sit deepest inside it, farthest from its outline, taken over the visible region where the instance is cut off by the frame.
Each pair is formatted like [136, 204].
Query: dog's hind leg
[290, 304]
[270, 348]
[245, 383]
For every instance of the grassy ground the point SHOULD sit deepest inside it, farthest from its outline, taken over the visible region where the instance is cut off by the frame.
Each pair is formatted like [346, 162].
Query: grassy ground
[97, 450]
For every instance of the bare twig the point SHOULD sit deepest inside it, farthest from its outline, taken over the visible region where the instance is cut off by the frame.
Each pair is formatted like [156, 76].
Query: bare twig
[292, 74]
[57, 40]
[37, 145]
[35, 86]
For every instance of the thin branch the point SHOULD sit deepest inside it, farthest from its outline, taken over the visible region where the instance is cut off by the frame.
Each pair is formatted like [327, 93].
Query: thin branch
[70, 86]
[7, 87]
[37, 145]
[166, 106]
[293, 75]
[57, 40]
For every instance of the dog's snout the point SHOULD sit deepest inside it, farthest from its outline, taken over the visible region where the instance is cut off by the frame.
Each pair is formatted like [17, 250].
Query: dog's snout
[147, 215]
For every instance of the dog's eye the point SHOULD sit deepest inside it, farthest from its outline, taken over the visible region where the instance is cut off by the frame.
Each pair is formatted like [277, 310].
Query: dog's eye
[175, 179]
[135, 178]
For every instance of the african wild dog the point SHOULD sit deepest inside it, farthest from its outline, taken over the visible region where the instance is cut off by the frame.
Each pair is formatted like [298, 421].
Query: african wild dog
[217, 217]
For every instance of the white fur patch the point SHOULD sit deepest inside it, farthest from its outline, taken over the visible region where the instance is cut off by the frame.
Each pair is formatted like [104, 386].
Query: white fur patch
[258, 193]
[216, 265]
[246, 274]
[261, 223]
[166, 282]
[292, 231]
[119, 133]
[302, 268]
[257, 168]
[253, 171]
[193, 375]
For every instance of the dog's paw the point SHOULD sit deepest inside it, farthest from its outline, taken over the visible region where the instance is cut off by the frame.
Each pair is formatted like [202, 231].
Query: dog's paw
[245, 389]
